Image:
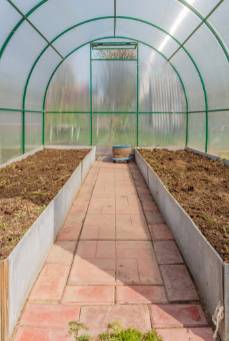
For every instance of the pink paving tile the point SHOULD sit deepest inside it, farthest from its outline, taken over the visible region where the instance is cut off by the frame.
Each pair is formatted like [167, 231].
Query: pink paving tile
[138, 271]
[160, 232]
[79, 206]
[38, 334]
[51, 316]
[131, 227]
[134, 249]
[126, 205]
[102, 206]
[100, 227]
[97, 318]
[167, 252]
[177, 316]
[178, 283]
[96, 249]
[89, 295]
[50, 283]
[62, 252]
[92, 271]
[87, 249]
[127, 271]
[149, 271]
[105, 249]
[70, 232]
[154, 218]
[180, 334]
[74, 219]
[149, 206]
[140, 294]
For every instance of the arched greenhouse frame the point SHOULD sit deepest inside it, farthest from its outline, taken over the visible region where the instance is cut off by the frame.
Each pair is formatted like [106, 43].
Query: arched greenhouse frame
[145, 77]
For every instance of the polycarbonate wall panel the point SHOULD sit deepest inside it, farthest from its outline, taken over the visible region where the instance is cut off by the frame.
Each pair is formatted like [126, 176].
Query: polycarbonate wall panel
[110, 129]
[15, 65]
[114, 86]
[146, 33]
[197, 131]
[69, 129]
[162, 130]
[219, 20]
[39, 79]
[68, 13]
[69, 89]
[83, 34]
[160, 88]
[33, 130]
[218, 133]
[10, 135]
[170, 15]
[213, 65]
[8, 19]
[191, 80]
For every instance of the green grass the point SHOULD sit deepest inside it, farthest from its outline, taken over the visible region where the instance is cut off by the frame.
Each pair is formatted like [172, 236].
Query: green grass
[114, 332]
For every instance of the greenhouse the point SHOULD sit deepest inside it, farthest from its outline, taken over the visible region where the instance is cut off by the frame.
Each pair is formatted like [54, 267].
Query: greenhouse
[93, 241]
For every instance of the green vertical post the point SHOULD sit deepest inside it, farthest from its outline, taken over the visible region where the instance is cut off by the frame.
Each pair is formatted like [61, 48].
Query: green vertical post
[23, 132]
[91, 104]
[43, 127]
[137, 127]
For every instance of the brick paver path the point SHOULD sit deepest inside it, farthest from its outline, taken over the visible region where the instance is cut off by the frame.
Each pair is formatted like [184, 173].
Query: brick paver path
[114, 259]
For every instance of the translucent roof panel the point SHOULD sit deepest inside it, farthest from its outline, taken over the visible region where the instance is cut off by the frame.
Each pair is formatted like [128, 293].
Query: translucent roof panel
[40, 78]
[213, 65]
[191, 80]
[26, 5]
[68, 13]
[202, 6]
[146, 33]
[172, 16]
[160, 87]
[83, 34]
[219, 19]
[16, 63]
[8, 18]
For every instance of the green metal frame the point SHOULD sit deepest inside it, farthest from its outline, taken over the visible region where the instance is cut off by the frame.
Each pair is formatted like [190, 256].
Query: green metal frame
[137, 84]
[137, 115]
[91, 98]
[147, 23]
[118, 37]
[192, 8]
[104, 18]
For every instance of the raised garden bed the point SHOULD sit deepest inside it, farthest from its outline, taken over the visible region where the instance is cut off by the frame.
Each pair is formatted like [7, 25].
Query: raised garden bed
[193, 199]
[36, 195]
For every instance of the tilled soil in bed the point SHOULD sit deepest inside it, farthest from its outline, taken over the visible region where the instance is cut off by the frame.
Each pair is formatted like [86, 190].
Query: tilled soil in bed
[201, 186]
[26, 188]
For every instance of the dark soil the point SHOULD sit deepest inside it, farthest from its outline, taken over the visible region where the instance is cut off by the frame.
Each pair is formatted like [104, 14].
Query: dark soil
[26, 188]
[201, 186]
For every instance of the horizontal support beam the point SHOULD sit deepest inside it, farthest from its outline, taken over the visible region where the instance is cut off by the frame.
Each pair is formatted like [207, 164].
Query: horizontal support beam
[114, 59]
[111, 112]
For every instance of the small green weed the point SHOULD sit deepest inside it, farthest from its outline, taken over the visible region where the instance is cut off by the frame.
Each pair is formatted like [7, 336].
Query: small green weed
[114, 332]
